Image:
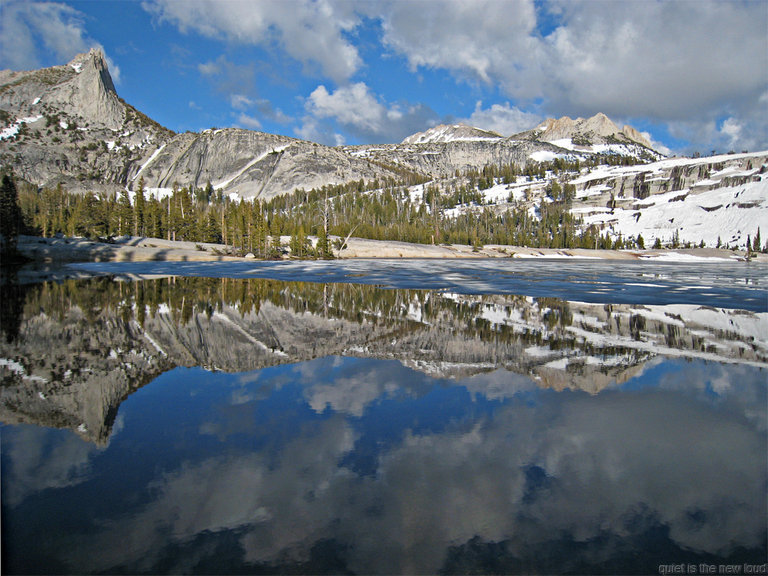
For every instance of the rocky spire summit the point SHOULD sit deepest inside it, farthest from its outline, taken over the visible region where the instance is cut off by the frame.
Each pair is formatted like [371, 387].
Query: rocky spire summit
[90, 92]
[598, 127]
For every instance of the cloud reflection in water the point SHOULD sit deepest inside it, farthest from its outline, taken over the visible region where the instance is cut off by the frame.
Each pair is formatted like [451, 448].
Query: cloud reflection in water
[370, 466]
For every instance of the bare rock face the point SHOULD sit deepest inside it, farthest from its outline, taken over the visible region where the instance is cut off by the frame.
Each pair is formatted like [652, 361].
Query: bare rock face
[597, 129]
[444, 158]
[91, 92]
[251, 164]
[692, 176]
[634, 135]
[82, 89]
[67, 125]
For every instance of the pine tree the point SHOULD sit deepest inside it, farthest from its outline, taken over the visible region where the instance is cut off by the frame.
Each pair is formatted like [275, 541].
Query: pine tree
[138, 209]
[123, 213]
[298, 243]
[323, 246]
[275, 243]
[262, 233]
[211, 228]
[10, 216]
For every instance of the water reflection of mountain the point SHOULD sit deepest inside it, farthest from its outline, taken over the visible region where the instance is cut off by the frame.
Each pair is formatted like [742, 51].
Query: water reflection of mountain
[83, 346]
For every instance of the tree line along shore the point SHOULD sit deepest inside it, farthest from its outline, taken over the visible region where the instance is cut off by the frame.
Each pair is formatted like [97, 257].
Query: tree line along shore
[319, 223]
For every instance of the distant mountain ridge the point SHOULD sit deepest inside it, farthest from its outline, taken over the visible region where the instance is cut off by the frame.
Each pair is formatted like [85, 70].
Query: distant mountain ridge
[66, 124]
[597, 129]
[451, 133]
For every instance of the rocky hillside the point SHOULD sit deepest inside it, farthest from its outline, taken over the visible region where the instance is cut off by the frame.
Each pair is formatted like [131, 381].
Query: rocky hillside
[436, 158]
[716, 200]
[248, 164]
[689, 200]
[66, 124]
[444, 149]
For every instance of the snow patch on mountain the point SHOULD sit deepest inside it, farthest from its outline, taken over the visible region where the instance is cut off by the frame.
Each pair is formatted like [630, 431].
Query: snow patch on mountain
[14, 128]
[148, 162]
[451, 133]
[734, 211]
[224, 183]
[623, 149]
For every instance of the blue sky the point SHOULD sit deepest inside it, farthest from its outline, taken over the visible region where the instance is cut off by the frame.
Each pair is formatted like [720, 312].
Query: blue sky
[691, 74]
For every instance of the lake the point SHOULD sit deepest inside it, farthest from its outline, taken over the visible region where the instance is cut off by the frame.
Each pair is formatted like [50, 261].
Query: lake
[385, 417]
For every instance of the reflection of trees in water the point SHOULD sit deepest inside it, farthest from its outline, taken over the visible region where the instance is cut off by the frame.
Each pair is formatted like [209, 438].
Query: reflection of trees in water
[388, 313]
[75, 335]
[12, 297]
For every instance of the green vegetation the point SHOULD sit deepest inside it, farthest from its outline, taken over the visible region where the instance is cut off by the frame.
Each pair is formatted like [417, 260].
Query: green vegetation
[407, 209]
[11, 220]
[183, 298]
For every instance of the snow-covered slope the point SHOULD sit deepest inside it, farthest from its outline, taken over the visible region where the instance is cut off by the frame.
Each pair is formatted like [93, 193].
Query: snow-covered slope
[451, 133]
[721, 198]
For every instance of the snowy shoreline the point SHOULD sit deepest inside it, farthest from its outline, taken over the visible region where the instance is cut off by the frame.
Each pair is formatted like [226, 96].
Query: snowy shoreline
[139, 249]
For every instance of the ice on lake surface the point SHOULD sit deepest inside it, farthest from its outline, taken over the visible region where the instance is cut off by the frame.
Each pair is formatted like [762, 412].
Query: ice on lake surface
[431, 417]
[718, 283]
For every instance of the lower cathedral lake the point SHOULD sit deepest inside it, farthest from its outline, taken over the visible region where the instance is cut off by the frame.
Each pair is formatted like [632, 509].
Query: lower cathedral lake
[385, 417]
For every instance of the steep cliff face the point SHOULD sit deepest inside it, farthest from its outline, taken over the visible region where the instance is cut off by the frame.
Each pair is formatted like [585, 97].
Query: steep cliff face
[691, 176]
[91, 93]
[82, 89]
[66, 124]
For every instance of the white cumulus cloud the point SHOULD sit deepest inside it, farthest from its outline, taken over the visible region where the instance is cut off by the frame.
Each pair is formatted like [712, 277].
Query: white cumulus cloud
[356, 109]
[35, 34]
[311, 32]
[240, 101]
[503, 119]
[248, 122]
[671, 62]
[352, 105]
[473, 38]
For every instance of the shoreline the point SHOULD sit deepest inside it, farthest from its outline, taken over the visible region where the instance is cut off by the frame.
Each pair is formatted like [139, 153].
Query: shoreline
[61, 250]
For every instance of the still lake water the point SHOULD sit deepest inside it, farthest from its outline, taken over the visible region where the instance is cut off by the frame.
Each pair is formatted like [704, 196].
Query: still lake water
[387, 417]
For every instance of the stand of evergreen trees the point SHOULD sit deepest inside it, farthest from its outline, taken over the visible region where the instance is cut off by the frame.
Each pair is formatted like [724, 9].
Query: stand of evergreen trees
[11, 218]
[380, 209]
